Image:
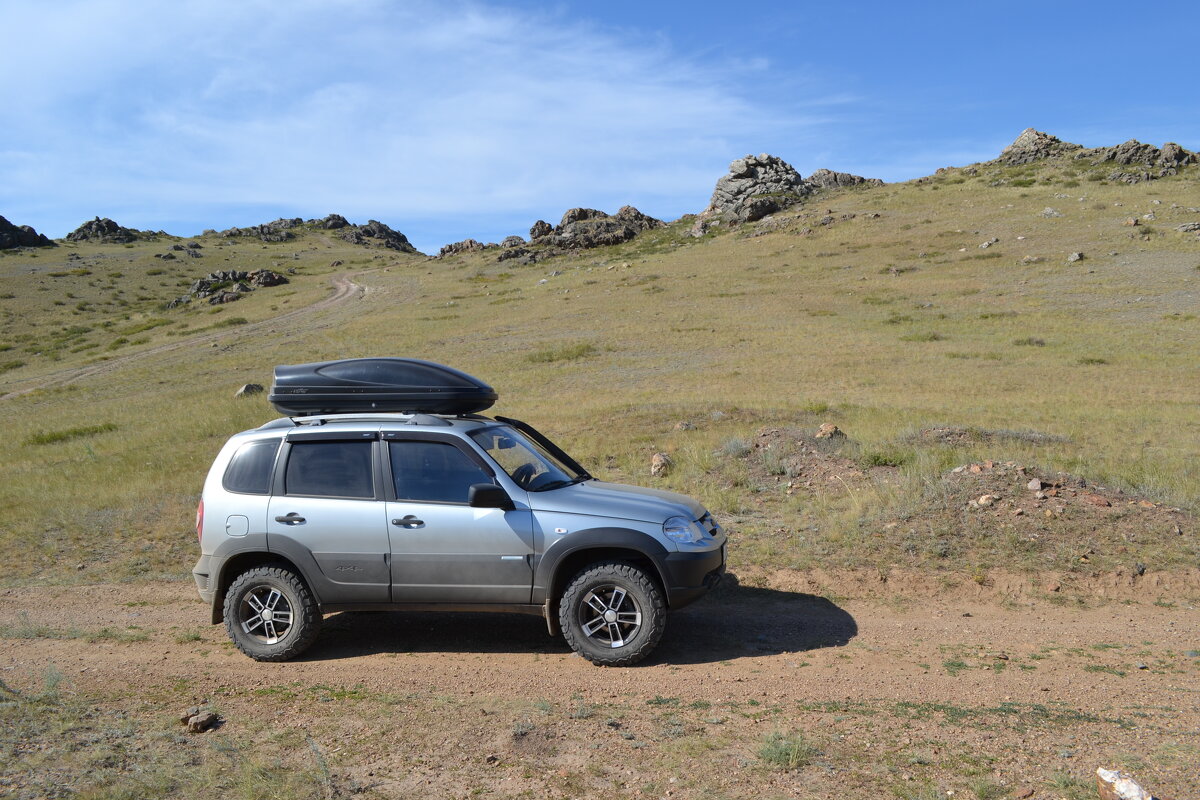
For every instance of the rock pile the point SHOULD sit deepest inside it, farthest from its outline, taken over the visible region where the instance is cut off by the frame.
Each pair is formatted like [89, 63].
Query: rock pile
[103, 231]
[1034, 145]
[228, 286]
[754, 187]
[21, 236]
[582, 228]
[828, 179]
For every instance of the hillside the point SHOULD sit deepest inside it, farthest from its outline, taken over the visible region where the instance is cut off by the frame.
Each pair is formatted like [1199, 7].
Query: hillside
[950, 425]
[938, 322]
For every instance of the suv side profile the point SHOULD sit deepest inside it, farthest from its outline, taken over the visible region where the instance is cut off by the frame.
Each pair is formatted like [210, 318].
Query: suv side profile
[307, 516]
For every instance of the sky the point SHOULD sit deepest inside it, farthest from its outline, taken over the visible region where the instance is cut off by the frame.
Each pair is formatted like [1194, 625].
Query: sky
[449, 120]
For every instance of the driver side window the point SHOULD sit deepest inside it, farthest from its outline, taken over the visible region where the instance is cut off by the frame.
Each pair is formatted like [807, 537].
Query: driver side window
[434, 472]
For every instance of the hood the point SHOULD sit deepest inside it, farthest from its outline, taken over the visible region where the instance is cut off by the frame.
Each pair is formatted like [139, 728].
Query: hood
[616, 500]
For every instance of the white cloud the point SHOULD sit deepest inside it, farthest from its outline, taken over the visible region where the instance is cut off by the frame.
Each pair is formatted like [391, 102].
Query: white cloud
[410, 111]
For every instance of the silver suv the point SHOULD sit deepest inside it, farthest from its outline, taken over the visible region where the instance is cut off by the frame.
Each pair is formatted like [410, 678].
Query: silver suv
[311, 515]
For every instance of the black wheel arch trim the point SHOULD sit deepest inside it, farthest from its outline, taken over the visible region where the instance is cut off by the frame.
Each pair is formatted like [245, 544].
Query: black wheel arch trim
[548, 574]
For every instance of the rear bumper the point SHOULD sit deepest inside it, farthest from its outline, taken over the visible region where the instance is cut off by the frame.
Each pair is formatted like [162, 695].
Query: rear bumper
[205, 579]
[691, 575]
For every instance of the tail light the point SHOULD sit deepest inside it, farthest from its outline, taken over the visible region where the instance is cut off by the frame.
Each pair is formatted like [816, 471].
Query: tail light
[199, 519]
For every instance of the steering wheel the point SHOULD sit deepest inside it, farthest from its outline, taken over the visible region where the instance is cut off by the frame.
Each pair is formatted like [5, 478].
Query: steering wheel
[524, 475]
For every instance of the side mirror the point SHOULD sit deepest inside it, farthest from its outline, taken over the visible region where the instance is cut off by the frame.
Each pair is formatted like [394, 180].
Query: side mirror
[488, 495]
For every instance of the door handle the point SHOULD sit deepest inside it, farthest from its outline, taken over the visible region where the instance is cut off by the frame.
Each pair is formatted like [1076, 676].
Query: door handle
[291, 519]
[409, 521]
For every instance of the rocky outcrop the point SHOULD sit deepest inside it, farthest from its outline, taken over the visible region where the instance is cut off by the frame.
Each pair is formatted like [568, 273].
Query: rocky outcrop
[1033, 145]
[465, 246]
[583, 228]
[277, 231]
[102, 231]
[754, 187]
[1148, 162]
[375, 232]
[331, 222]
[512, 241]
[227, 286]
[828, 179]
[21, 236]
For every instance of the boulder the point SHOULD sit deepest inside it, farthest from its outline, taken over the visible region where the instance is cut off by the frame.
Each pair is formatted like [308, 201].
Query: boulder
[228, 286]
[103, 231]
[830, 431]
[512, 241]
[828, 179]
[1033, 145]
[540, 229]
[21, 236]
[660, 465]
[1116, 785]
[248, 390]
[754, 187]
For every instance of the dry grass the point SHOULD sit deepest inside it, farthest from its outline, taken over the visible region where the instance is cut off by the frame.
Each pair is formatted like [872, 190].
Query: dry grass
[885, 325]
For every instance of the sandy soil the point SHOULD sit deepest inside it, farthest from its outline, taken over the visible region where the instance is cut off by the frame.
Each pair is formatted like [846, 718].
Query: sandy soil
[899, 690]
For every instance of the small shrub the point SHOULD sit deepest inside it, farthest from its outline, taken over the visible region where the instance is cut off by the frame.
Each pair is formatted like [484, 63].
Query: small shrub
[1030, 341]
[787, 752]
[925, 336]
[735, 448]
[1089, 361]
[8, 366]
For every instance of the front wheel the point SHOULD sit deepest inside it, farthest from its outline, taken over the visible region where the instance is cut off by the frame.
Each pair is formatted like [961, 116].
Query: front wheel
[612, 614]
[270, 614]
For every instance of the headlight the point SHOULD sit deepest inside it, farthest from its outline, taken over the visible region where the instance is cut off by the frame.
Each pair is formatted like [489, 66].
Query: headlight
[682, 529]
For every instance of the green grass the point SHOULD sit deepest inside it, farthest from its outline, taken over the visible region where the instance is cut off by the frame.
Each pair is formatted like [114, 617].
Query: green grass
[66, 435]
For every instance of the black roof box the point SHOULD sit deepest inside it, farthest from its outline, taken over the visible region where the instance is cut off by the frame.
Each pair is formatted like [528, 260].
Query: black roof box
[355, 385]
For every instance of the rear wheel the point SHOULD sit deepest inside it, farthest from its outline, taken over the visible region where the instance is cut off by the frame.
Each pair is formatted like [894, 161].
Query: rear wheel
[270, 614]
[612, 614]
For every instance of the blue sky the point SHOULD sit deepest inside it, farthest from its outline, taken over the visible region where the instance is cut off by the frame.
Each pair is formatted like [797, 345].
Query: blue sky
[454, 119]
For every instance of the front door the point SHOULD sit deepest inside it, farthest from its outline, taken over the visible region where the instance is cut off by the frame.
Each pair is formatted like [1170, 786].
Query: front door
[442, 549]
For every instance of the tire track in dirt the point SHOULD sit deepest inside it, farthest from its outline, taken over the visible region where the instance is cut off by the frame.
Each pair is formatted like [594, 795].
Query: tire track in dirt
[345, 288]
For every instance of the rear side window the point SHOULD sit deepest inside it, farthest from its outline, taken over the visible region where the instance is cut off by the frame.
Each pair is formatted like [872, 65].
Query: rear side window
[330, 469]
[249, 471]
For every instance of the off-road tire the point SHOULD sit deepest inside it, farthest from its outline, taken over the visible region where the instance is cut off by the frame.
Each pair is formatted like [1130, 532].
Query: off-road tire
[276, 588]
[639, 614]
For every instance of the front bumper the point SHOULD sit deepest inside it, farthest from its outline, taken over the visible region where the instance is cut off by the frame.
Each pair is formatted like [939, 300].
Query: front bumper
[690, 575]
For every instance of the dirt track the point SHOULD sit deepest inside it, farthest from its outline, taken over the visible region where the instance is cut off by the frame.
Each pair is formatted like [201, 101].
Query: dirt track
[897, 692]
[344, 288]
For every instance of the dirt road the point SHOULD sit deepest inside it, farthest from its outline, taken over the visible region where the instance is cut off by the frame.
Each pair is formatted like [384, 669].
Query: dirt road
[891, 696]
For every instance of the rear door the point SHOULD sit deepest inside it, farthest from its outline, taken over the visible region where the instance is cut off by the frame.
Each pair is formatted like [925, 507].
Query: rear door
[442, 549]
[327, 507]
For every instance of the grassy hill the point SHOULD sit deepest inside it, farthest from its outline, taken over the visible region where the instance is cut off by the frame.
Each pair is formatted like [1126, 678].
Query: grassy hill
[873, 308]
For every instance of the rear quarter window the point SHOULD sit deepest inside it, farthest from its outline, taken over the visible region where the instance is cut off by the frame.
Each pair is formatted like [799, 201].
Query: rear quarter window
[249, 471]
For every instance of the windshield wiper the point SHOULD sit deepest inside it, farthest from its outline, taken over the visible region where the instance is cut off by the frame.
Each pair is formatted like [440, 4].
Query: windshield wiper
[558, 484]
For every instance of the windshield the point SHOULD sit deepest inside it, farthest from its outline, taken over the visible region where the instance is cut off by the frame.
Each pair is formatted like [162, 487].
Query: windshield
[525, 461]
